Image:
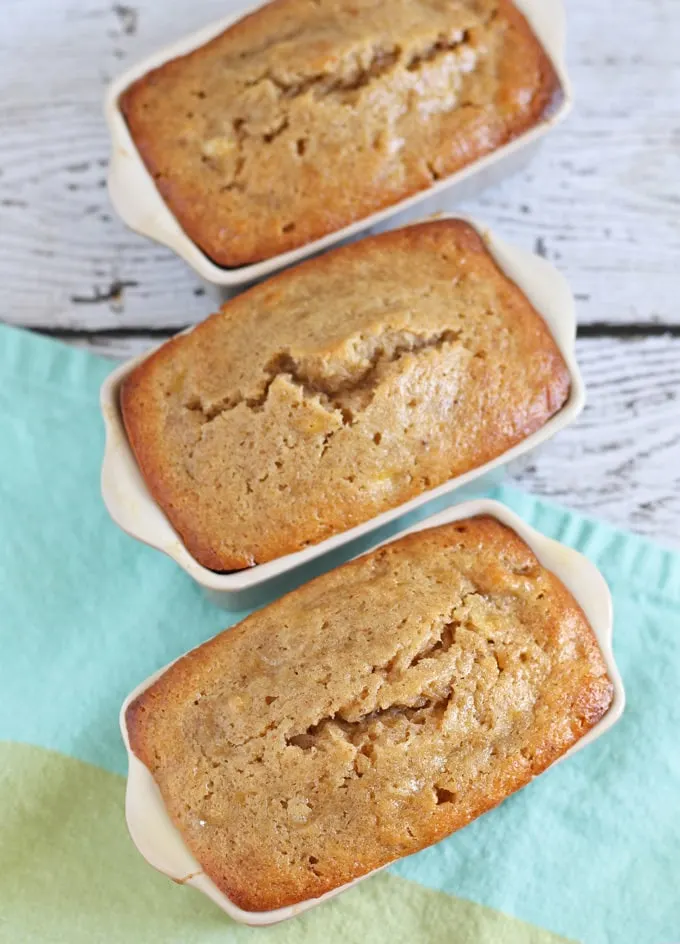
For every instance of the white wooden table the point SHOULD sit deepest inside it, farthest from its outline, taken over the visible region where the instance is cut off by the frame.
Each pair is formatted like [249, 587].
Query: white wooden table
[602, 200]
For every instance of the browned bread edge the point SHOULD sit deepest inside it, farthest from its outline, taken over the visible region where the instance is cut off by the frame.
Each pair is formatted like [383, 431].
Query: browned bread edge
[230, 253]
[134, 406]
[588, 707]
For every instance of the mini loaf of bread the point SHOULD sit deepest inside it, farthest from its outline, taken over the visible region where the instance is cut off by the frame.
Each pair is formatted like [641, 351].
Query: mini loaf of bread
[369, 713]
[338, 390]
[306, 116]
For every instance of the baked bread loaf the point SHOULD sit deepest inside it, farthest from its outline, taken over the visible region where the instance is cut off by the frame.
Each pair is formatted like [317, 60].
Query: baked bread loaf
[369, 713]
[338, 390]
[306, 116]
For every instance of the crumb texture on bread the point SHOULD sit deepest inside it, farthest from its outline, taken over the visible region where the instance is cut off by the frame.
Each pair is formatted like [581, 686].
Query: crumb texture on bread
[339, 390]
[370, 713]
[306, 116]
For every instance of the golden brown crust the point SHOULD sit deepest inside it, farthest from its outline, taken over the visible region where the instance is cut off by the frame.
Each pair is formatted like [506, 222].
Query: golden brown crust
[338, 390]
[303, 118]
[370, 713]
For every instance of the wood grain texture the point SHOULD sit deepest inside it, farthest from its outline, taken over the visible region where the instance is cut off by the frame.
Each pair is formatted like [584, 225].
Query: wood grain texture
[602, 198]
[621, 460]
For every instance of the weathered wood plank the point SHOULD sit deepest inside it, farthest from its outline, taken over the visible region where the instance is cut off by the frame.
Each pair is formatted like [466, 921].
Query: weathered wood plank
[602, 198]
[620, 461]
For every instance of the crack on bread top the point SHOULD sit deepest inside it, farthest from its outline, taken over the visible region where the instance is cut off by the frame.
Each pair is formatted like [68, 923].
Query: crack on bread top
[375, 92]
[340, 384]
[267, 82]
[356, 72]
[332, 393]
[442, 45]
[374, 710]
[359, 68]
[410, 692]
[361, 65]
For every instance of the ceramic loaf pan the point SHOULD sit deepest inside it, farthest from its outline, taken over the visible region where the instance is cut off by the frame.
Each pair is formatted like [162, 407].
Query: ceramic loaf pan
[134, 510]
[137, 201]
[161, 844]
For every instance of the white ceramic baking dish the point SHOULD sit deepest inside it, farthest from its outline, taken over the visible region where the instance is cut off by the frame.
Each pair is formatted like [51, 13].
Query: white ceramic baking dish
[134, 510]
[160, 842]
[138, 202]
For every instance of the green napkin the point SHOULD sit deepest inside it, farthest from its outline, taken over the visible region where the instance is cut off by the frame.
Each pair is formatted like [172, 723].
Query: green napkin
[589, 851]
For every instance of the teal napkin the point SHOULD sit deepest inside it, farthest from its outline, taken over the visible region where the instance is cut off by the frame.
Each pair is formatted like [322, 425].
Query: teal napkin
[590, 851]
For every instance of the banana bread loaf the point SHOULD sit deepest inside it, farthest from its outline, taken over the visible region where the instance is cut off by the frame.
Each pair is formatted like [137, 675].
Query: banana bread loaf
[338, 390]
[370, 713]
[306, 116]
